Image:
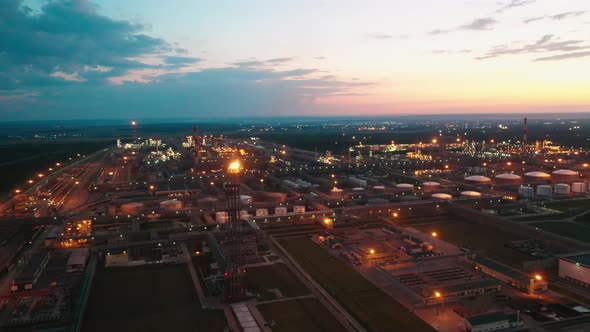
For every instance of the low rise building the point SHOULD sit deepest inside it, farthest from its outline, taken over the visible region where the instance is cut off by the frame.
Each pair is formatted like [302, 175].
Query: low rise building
[493, 321]
[532, 284]
[575, 267]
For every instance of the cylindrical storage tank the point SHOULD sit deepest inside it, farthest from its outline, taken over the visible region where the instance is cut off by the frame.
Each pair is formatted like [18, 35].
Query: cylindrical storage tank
[280, 211]
[564, 175]
[537, 176]
[470, 193]
[430, 186]
[544, 190]
[562, 189]
[207, 202]
[171, 205]
[299, 209]
[579, 187]
[379, 187]
[526, 191]
[336, 192]
[478, 179]
[404, 186]
[274, 197]
[442, 196]
[507, 179]
[245, 199]
[261, 212]
[358, 189]
[221, 217]
[133, 208]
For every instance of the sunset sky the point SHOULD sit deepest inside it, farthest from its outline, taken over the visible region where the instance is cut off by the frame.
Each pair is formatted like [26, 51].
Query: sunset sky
[207, 59]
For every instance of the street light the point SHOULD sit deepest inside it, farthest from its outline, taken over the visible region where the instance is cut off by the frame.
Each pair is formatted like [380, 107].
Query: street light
[434, 234]
[538, 277]
[371, 251]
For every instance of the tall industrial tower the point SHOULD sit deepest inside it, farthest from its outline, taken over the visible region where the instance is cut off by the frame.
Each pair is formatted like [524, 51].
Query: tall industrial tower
[524, 135]
[235, 289]
[196, 144]
[134, 126]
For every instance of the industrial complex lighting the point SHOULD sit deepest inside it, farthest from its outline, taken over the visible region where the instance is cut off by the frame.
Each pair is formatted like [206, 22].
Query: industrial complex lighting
[371, 251]
[434, 234]
[234, 167]
[538, 277]
[437, 294]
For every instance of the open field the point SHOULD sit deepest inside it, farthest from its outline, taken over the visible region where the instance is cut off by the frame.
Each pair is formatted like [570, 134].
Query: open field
[275, 276]
[567, 229]
[299, 315]
[23, 160]
[479, 237]
[148, 298]
[371, 307]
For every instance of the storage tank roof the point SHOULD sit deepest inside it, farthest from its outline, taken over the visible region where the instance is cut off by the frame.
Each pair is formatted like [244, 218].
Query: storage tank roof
[404, 185]
[509, 176]
[431, 183]
[478, 178]
[537, 174]
[442, 196]
[471, 193]
[565, 172]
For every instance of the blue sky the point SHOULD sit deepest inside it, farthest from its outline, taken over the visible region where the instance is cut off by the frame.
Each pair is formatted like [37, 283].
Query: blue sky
[81, 59]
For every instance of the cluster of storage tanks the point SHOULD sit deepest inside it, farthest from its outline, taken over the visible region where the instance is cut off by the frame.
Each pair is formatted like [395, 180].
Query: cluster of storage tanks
[223, 216]
[545, 190]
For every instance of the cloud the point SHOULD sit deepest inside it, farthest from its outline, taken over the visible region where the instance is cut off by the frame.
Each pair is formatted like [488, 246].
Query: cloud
[180, 60]
[565, 56]
[213, 93]
[546, 44]
[438, 32]
[480, 24]
[279, 60]
[256, 63]
[567, 15]
[65, 38]
[533, 19]
[514, 4]
[556, 17]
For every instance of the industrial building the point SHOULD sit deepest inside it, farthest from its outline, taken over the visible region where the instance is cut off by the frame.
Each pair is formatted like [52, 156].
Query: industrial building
[530, 284]
[575, 268]
[35, 266]
[493, 321]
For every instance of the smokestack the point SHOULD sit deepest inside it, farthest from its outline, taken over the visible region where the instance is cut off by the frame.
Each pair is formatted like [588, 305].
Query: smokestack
[525, 134]
[196, 144]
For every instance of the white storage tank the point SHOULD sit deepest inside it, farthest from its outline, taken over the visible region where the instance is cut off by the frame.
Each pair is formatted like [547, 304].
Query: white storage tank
[379, 187]
[478, 179]
[405, 186]
[221, 217]
[537, 176]
[245, 199]
[507, 178]
[430, 186]
[565, 175]
[579, 187]
[171, 205]
[562, 189]
[132, 208]
[544, 190]
[526, 191]
[442, 196]
[261, 212]
[470, 193]
[299, 209]
[280, 211]
[336, 192]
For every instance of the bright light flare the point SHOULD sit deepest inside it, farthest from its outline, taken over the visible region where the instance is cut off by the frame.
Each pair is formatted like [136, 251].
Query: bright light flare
[234, 167]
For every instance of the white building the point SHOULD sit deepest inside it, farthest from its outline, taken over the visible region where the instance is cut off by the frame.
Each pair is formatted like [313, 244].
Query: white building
[575, 267]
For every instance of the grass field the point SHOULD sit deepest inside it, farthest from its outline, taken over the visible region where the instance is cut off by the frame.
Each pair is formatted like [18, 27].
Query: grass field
[571, 230]
[479, 237]
[371, 307]
[150, 298]
[297, 315]
[275, 276]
